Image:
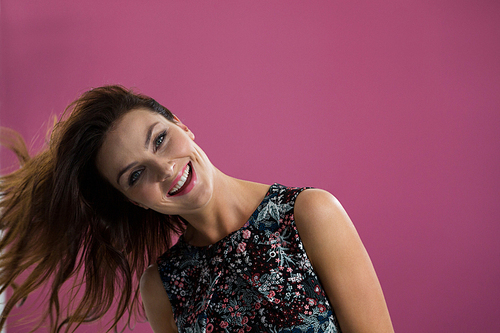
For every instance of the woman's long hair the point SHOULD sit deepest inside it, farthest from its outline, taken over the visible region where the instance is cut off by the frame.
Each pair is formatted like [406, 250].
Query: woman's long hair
[62, 220]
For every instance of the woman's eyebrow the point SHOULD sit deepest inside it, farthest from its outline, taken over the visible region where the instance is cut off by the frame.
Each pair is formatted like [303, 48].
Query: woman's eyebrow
[148, 135]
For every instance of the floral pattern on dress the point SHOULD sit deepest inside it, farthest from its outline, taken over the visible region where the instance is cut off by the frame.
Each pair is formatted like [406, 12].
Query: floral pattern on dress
[256, 279]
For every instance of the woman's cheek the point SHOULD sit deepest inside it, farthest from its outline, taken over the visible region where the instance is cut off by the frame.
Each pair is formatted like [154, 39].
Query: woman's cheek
[147, 196]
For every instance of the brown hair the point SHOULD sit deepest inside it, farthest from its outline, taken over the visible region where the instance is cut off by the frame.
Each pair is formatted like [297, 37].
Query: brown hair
[61, 219]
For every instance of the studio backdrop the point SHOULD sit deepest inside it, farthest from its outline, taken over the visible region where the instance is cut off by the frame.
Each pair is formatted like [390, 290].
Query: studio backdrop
[393, 106]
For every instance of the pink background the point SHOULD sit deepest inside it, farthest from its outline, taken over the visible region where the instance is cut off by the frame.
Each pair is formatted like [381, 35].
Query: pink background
[392, 106]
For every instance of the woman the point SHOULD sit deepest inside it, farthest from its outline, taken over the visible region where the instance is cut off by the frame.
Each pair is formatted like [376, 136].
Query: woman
[121, 176]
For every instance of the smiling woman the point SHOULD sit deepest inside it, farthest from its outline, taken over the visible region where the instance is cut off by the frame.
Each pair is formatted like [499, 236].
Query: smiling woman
[158, 163]
[120, 177]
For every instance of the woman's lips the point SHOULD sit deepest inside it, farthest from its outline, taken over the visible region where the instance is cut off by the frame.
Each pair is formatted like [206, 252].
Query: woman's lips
[184, 182]
[180, 180]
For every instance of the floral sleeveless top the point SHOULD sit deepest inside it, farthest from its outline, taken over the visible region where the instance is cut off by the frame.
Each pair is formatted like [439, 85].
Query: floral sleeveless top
[256, 279]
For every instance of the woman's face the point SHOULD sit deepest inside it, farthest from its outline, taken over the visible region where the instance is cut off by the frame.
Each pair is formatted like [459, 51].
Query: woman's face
[156, 163]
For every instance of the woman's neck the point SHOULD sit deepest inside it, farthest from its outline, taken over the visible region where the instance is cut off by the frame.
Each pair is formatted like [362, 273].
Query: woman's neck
[232, 204]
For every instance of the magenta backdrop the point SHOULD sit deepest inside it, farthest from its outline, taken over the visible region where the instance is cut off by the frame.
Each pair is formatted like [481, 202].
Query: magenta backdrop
[393, 106]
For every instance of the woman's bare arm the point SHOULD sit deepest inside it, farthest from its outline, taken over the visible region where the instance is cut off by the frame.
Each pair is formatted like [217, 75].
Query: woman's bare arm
[342, 263]
[156, 302]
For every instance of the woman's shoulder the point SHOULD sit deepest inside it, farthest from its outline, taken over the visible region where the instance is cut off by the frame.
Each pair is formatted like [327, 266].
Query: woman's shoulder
[149, 277]
[316, 208]
[320, 219]
[311, 202]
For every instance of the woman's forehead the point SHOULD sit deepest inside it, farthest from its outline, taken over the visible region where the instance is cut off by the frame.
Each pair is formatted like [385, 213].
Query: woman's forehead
[124, 140]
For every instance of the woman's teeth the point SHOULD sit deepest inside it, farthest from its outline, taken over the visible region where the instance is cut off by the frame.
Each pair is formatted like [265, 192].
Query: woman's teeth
[181, 181]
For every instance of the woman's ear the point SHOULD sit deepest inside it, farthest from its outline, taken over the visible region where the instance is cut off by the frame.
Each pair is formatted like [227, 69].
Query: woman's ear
[184, 127]
[138, 204]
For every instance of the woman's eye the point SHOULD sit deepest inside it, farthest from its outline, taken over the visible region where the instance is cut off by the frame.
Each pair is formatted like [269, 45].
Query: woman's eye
[134, 176]
[159, 140]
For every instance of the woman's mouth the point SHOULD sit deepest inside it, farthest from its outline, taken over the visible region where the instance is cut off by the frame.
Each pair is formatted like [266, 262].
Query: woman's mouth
[185, 182]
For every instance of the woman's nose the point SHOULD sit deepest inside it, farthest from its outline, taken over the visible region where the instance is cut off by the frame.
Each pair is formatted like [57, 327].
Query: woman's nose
[166, 170]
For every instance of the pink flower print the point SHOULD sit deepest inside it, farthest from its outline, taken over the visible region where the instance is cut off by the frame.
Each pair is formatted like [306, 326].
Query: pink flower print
[244, 320]
[317, 290]
[289, 269]
[311, 301]
[241, 330]
[241, 247]
[246, 234]
[276, 301]
[271, 294]
[210, 328]
[257, 306]
[224, 324]
[322, 308]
